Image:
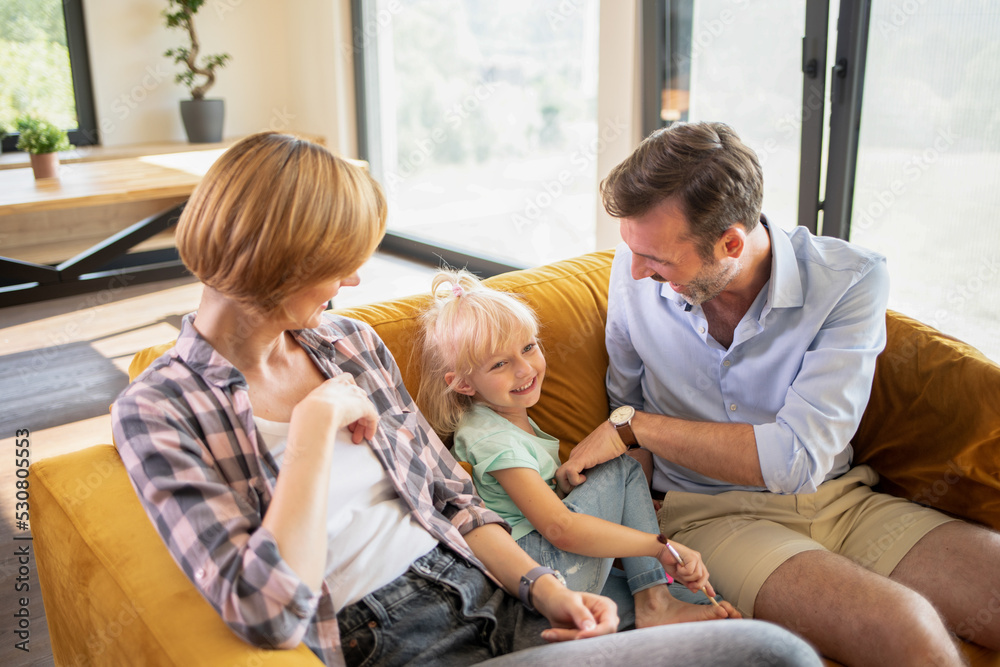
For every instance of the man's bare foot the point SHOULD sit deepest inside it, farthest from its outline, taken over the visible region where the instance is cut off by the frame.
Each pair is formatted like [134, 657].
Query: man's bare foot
[656, 606]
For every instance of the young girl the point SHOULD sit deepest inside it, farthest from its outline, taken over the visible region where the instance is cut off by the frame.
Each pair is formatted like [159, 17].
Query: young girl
[483, 369]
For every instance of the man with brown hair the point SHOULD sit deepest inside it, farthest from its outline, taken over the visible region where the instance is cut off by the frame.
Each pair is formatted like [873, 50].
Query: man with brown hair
[742, 356]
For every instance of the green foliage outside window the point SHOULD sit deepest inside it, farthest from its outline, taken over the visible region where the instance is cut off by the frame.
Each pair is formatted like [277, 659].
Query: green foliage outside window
[37, 79]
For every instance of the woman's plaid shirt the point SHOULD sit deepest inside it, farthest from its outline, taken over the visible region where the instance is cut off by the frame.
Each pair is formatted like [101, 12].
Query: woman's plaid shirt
[185, 431]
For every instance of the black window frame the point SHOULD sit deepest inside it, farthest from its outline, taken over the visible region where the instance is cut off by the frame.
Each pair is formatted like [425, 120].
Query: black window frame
[842, 91]
[85, 134]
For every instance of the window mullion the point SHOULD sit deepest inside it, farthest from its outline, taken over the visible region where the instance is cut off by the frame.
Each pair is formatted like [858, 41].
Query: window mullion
[847, 74]
[814, 48]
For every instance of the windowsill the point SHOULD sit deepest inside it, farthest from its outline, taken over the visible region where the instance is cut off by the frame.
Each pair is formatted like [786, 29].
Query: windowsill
[18, 160]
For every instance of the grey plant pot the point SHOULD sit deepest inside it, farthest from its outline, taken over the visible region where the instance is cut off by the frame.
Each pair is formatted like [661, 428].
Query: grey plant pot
[203, 120]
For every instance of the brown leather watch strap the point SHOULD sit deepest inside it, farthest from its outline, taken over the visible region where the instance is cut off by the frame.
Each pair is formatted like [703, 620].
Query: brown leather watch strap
[627, 436]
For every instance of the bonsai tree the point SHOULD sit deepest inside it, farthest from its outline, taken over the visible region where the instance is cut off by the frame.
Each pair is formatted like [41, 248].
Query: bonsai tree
[39, 137]
[180, 14]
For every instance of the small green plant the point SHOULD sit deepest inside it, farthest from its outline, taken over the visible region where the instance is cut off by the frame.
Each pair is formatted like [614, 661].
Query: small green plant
[180, 14]
[40, 136]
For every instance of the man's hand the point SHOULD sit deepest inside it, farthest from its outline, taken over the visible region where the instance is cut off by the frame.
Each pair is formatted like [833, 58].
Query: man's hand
[602, 445]
[573, 615]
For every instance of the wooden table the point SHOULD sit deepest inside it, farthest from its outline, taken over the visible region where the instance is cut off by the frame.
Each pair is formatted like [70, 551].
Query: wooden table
[89, 184]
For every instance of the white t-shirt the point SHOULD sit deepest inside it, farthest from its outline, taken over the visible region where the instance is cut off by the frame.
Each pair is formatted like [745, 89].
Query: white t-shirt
[371, 536]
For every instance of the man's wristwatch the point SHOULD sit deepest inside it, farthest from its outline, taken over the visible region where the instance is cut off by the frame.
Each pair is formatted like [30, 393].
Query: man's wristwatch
[621, 419]
[524, 589]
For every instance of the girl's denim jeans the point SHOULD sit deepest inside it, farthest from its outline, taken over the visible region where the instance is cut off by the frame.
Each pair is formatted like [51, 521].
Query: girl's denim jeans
[615, 491]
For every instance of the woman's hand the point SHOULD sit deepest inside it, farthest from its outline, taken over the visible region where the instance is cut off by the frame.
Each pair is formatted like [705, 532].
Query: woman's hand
[336, 403]
[692, 574]
[573, 615]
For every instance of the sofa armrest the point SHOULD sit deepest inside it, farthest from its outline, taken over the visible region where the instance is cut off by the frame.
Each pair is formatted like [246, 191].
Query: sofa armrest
[111, 591]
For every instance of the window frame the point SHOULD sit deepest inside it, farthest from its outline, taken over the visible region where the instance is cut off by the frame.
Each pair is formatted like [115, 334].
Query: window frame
[839, 86]
[364, 46]
[85, 134]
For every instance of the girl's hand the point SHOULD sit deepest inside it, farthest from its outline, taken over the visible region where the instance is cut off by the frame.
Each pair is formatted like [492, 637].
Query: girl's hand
[339, 402]
[692, 574]
[573, 615]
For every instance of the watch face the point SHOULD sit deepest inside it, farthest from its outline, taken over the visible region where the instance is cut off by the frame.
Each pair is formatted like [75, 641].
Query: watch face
[622, 415]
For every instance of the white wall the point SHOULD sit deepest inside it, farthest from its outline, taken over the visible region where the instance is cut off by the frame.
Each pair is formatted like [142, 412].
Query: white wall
[619, 106]
[291, 68]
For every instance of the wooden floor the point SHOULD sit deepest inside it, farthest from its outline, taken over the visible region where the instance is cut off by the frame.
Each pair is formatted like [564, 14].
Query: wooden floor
[62, 362]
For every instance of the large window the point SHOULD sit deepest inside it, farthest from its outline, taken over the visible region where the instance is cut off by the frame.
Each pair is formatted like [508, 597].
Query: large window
[43, 58]
[874, 120]
[929, 162]
[479, 119]
[718, 66]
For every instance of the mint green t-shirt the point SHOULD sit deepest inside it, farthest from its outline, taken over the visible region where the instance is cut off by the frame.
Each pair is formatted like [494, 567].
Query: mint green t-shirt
[489, 442]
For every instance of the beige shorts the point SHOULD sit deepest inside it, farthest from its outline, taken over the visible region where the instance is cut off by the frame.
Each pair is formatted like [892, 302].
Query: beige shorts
[744, 536]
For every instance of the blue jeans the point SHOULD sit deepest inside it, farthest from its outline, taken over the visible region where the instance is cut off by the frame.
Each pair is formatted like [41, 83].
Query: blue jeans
[446, 613]
[615, 491]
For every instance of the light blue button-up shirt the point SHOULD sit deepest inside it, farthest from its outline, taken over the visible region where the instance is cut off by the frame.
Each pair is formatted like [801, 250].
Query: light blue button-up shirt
[800, 367]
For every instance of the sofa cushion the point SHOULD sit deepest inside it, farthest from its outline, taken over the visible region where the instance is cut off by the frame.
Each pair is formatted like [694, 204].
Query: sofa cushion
[571, 300]
[932, 426]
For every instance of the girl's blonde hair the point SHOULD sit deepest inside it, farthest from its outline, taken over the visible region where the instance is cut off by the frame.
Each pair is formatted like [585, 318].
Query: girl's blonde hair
[275, 215]
[465, 325]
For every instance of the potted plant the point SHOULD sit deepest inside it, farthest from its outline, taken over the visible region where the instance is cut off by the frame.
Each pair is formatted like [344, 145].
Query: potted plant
[202, 118]
[43, 141]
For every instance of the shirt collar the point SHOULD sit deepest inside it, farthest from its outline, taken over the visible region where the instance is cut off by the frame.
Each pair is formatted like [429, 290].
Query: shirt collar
[195, 351]
[785, 289]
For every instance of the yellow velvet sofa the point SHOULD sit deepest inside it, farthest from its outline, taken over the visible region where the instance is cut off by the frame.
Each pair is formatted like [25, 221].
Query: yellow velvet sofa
[113, 595]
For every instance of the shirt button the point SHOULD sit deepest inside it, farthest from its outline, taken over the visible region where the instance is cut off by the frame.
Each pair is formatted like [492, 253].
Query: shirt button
[199, 574]
[732, 407]
[372, 624]
[727, 363]
[701, 329]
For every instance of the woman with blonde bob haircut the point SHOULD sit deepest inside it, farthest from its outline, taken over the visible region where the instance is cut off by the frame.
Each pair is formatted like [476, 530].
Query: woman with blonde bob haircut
[276, 214]
[283, 462]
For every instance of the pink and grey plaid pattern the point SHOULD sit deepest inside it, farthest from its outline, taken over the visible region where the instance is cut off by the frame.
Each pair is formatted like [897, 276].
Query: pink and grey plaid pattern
[185, 432]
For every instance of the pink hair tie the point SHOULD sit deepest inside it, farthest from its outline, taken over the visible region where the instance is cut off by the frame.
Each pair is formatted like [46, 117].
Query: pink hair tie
[457, 290]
